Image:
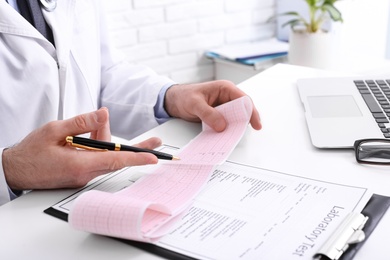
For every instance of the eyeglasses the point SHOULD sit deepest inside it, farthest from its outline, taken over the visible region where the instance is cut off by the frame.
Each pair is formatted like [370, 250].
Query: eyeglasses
[373, 151]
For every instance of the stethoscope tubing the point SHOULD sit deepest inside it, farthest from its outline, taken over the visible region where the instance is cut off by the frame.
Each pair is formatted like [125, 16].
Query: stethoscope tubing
[49, 5]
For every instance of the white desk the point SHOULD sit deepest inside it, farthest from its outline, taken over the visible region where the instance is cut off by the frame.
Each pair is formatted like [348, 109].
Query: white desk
[354, 64]
[282, 145]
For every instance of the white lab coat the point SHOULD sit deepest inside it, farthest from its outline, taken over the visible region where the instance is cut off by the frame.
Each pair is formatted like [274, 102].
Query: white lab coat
[41, 83]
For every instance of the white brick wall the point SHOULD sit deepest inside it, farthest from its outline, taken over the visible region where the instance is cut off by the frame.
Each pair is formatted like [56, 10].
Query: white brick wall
[171, 36]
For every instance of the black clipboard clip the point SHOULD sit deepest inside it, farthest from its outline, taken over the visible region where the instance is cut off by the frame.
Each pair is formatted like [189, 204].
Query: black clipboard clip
[349, 232]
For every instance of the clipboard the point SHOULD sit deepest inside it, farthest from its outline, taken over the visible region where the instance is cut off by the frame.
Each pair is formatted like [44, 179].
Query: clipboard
[374, 210]
[354, 231]
[372, 214]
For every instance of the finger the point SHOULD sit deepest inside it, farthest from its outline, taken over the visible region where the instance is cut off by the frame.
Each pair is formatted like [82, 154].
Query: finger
[103, 162]
[229, 91]
[82, 124]
[90, 164]
[119, 160]
[255, 119]
[150, 143]
[236, 93]
[215, 119]
[211, 117]
[104, 132]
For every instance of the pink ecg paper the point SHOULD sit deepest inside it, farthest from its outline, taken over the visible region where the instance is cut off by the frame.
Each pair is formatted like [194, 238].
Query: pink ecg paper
[146, 210]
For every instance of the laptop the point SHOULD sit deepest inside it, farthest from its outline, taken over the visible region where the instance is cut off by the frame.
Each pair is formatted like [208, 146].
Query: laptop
[339, 111]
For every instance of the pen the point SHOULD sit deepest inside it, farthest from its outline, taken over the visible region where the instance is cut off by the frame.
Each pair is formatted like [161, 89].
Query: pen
[90, 144]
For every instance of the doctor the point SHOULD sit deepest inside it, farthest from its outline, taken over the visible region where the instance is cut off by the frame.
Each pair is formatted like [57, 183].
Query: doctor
[78, 84]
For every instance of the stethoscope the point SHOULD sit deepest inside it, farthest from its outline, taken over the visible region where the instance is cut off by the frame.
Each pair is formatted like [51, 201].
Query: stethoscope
[49, 5]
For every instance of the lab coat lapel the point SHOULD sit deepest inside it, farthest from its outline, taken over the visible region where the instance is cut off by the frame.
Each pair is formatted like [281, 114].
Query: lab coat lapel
[61, 20]
[11, 22]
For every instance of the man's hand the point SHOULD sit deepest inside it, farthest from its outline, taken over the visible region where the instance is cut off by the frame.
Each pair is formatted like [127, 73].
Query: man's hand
[195, 102]
[43, 160]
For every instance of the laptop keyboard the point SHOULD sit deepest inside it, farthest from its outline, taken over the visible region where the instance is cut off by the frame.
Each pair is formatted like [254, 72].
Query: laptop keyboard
[376, 94]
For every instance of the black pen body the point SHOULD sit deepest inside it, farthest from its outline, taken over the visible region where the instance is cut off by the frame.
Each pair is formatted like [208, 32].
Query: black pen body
[119, 147]
[159, 155]
[93, 143]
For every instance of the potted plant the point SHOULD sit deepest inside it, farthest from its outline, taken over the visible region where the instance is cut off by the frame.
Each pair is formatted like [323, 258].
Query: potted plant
[311, 44]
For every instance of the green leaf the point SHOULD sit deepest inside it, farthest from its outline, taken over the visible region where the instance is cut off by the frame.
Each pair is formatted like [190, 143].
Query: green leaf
[290, 13]
[294, 22]
[319, 11]
[272, 18]
[311, 3]
[334, 13]
[297, 22]
[330, 2]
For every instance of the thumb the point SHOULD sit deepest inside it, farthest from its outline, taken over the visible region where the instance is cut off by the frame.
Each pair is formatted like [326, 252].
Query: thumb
[213, 118]
[85, 123]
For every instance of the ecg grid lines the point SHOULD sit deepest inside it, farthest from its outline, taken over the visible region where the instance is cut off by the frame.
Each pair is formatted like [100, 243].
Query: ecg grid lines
[145, 210]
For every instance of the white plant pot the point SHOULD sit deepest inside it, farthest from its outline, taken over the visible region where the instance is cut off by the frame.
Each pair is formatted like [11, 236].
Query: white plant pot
[317, 50]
